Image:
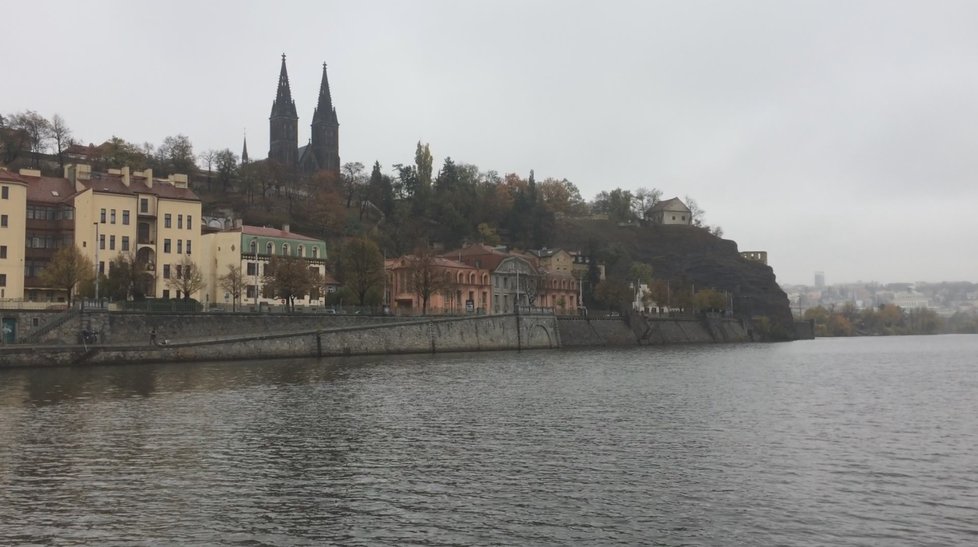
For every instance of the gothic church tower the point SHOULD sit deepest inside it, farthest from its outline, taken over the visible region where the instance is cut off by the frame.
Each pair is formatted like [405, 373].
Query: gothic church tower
[326, 130]
[284, 124]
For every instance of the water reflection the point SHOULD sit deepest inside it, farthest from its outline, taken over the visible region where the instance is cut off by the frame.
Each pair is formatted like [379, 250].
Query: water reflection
[821, 442]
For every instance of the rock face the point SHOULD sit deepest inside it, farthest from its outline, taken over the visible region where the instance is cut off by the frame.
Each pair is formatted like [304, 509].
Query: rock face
[688, 253]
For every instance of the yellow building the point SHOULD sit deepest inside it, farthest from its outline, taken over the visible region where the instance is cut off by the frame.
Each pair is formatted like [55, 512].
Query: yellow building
[13, 225]
[251, 248]
[155, 221]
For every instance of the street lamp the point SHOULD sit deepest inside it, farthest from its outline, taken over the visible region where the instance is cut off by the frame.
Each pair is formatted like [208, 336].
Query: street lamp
[96, 262]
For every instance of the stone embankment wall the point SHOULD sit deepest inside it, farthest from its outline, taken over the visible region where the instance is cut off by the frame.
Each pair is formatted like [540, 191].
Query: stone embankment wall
[650, 331]
[485, 333]
[135, 327]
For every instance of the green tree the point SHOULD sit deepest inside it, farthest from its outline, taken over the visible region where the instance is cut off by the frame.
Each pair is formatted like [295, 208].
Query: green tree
[614, 294]
[287, 278]
[68, 269]
[176, 155]
[363, 267]
[120, 284]
[38, 131]
[227, 168]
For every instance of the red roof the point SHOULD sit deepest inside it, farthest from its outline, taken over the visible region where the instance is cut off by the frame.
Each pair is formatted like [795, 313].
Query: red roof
[263, 231]
[10, 176]
[49, 189]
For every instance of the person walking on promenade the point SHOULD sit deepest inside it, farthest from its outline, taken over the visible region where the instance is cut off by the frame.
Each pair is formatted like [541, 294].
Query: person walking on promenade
[152, 336]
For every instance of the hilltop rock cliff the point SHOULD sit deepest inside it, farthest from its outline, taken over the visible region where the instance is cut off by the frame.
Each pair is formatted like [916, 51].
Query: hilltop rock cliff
[690, 253]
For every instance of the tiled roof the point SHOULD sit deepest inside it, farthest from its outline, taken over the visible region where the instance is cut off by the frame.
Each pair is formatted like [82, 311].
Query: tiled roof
[49, 189]
[263, 231]
[674, 204]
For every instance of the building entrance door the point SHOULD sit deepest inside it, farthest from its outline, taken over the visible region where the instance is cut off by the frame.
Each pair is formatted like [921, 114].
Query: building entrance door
[9, 330]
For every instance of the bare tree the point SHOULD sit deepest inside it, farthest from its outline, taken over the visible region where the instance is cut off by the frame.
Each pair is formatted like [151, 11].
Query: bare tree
[208, 158]
[426, 276]
[68, 269]
[353, 180]
[233, 284]
[187, 279]
[61, 134]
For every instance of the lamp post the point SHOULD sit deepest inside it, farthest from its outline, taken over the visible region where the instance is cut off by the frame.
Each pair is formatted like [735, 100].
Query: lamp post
[96, 262]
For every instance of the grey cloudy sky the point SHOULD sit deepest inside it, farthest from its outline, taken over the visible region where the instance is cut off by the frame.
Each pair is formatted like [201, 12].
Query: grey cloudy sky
[836, 135]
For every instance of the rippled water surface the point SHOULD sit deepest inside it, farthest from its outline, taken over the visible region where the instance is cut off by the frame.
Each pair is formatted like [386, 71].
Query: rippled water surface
[869, 441]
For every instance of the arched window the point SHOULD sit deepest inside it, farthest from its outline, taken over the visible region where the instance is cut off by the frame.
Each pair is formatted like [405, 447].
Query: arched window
[269, 248]
[285, 249]
[315, 252]
[472, 278]
[460, 278]
[253, 248]
[302, 251]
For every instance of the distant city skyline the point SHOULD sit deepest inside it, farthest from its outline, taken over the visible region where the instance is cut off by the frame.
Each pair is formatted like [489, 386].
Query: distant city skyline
[836, 137]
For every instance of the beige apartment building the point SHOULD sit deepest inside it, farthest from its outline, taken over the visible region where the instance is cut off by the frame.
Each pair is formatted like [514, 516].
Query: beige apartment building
[13, 224]
[154, 221]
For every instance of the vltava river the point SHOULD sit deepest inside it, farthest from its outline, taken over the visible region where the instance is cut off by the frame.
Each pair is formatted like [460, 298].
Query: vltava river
[870, 441]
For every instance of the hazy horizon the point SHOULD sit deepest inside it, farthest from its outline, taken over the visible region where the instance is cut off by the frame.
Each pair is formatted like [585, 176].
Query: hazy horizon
[838, 137]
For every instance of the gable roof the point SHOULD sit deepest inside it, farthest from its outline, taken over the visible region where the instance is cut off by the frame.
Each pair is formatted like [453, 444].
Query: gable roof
[674, 204]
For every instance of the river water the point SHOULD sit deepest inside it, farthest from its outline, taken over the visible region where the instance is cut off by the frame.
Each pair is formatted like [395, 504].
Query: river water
[865, 441]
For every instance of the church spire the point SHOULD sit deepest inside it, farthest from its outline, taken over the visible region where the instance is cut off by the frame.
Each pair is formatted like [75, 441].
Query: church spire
[283, 105]
[324, 108]
[244, 149]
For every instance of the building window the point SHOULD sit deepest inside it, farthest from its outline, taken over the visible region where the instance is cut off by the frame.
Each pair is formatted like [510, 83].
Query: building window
[179, 271]
[179, 247]
[5, 192]
[253, 247]
[285, 249]
[111, 243]
[125, 243]
[167, 220]
[3, 221]
[101, 268]
[302, 251]
[101, 241]
[166, 293]
[315, 252]
[250, 291]
[125, 217]
[252, 268]
[166, 271]
[112, 216]
[143, 205]
[188, 246]
[3, 251]
[3, 280]
[166, 245]
[269, 248]
[102, 216]
[180, 222]
[190, 225]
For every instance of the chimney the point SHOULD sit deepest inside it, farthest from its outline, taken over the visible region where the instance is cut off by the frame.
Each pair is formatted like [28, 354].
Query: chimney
[30, 172]
[179, 181]
[238, 224]
[125, 176]
[285, 228]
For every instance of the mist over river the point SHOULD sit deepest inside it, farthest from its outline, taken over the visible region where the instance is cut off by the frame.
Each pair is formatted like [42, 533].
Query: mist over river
[855, 441]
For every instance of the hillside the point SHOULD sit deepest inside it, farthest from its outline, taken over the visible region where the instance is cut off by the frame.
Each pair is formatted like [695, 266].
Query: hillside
[687, 253]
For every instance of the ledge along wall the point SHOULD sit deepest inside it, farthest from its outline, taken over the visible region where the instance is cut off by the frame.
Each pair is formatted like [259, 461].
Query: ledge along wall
[484, 333]
[642, 331]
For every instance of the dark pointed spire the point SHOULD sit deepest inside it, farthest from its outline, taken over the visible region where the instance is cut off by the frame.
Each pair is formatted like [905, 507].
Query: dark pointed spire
[244, 149]
[283, 105]
[324, 108]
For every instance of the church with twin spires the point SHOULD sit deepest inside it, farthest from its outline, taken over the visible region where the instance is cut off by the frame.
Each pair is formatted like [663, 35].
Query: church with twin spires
[322, 153]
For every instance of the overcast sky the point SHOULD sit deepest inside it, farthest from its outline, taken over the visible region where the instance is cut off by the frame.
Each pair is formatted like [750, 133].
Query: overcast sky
[838, 136]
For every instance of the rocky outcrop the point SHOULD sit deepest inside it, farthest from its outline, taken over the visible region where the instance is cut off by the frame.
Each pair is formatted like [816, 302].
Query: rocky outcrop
[693, 255]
